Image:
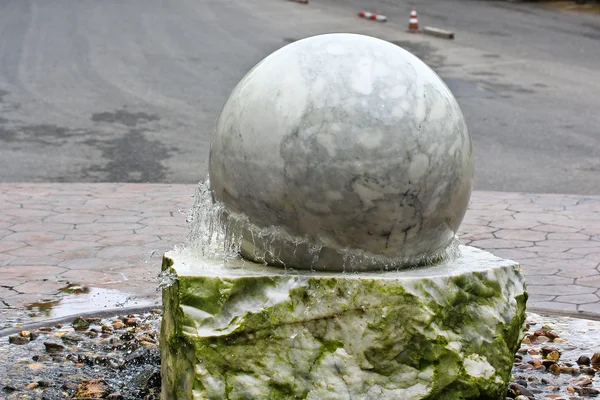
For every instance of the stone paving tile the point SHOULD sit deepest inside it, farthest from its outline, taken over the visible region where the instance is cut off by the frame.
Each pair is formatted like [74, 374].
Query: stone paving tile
[38, 287]
[28, 271]
[554, 306]
[113, 235]
[576, 273]
[521, 234]
[554, 228]
[567, 236]
[516, 254]
[533, 288]
[85, 263]
[578, 298]
[6, 245]
[553, 280]
[35, 261]
[30, 251]
[32, 236]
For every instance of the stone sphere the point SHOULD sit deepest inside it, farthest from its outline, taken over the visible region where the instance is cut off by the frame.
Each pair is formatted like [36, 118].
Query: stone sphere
[342, 152]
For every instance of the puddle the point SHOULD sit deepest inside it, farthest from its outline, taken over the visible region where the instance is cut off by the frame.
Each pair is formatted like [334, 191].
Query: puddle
[75, 301]
[85, 300]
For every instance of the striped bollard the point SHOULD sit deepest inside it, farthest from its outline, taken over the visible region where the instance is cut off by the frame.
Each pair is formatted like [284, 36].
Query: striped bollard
[373, 17]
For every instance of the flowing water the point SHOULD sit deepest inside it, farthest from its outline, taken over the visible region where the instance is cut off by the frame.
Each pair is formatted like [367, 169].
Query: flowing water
[217, 233]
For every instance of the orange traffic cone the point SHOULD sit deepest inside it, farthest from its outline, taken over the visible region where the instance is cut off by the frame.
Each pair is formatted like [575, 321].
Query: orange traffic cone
[413, 22]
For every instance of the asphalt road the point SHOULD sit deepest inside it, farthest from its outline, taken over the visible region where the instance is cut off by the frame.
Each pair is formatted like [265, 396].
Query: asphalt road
[129, 91]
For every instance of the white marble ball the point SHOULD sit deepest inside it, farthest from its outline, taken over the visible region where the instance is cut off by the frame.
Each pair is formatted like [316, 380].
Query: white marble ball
[342, 152]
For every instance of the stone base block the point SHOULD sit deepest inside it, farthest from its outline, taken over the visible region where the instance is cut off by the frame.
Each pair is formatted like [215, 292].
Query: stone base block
[240, 330]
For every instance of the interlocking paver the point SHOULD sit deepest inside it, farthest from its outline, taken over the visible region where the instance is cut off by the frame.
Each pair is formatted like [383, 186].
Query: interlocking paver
[30, 251]
[521, 234]
[98, 277]
[568, 236]
[28, 271]
[554, 228]
[7, 245]
[134, 219]
[35, 235]
[584, 250]
[62, 245]
[577, 273]
[85, 263]
[562, 255]
[514, 224]
[554, 306]
[72, 218]
[554, 280]
[521, 254]
[113, 226]
[116, 252]
[558, 290]
[39, 287]
[578, 298]
[113, 235]
[593, 281]
[500, 244]
[51, 260]
[138, 239]
[568, 244]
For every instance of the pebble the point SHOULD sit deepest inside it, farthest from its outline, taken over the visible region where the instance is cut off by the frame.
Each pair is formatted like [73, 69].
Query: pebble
[72, 337]
[569, 370]
[118, 325]
[588, 391]
[583, 360]
[596, 358]
[52, 347]
[91, 334]
[92, 389]
[554, 368]
[45, 383]
[520, 390]
[552, 356]
[581, 381]
[125, 348]
[589, 371]
[18, 339]
[549, 349]
[81, 324]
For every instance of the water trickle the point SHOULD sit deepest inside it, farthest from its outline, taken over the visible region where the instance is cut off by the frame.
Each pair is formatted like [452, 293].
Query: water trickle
[221, 235]
[166, 279]
[212, 233]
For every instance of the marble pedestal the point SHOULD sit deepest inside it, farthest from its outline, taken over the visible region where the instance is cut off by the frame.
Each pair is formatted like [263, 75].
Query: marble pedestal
[241, 330]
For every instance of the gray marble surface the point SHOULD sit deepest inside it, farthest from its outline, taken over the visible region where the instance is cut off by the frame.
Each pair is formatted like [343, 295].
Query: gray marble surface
[345, 147]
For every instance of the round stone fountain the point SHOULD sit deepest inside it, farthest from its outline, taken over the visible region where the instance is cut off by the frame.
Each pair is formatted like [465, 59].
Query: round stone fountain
[323, 261]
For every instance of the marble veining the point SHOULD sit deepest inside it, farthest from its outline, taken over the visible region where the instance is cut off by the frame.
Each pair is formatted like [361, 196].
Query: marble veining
[233, 331]
[350, 146]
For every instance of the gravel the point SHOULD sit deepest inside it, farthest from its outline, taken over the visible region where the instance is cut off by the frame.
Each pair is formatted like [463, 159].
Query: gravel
[119, 358]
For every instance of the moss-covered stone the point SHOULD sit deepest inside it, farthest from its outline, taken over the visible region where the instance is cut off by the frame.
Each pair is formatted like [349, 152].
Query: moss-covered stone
[240, 330]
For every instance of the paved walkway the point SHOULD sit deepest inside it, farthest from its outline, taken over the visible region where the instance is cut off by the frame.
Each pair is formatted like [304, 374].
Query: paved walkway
[110, 237]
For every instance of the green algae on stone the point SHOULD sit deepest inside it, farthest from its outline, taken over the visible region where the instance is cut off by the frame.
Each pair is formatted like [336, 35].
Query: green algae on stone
[239, 330]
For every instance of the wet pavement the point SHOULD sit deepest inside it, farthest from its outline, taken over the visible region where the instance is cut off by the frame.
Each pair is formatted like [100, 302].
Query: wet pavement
[72, 248]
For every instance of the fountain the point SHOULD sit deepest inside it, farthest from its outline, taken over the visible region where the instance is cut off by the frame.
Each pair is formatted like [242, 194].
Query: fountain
[323, 260]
